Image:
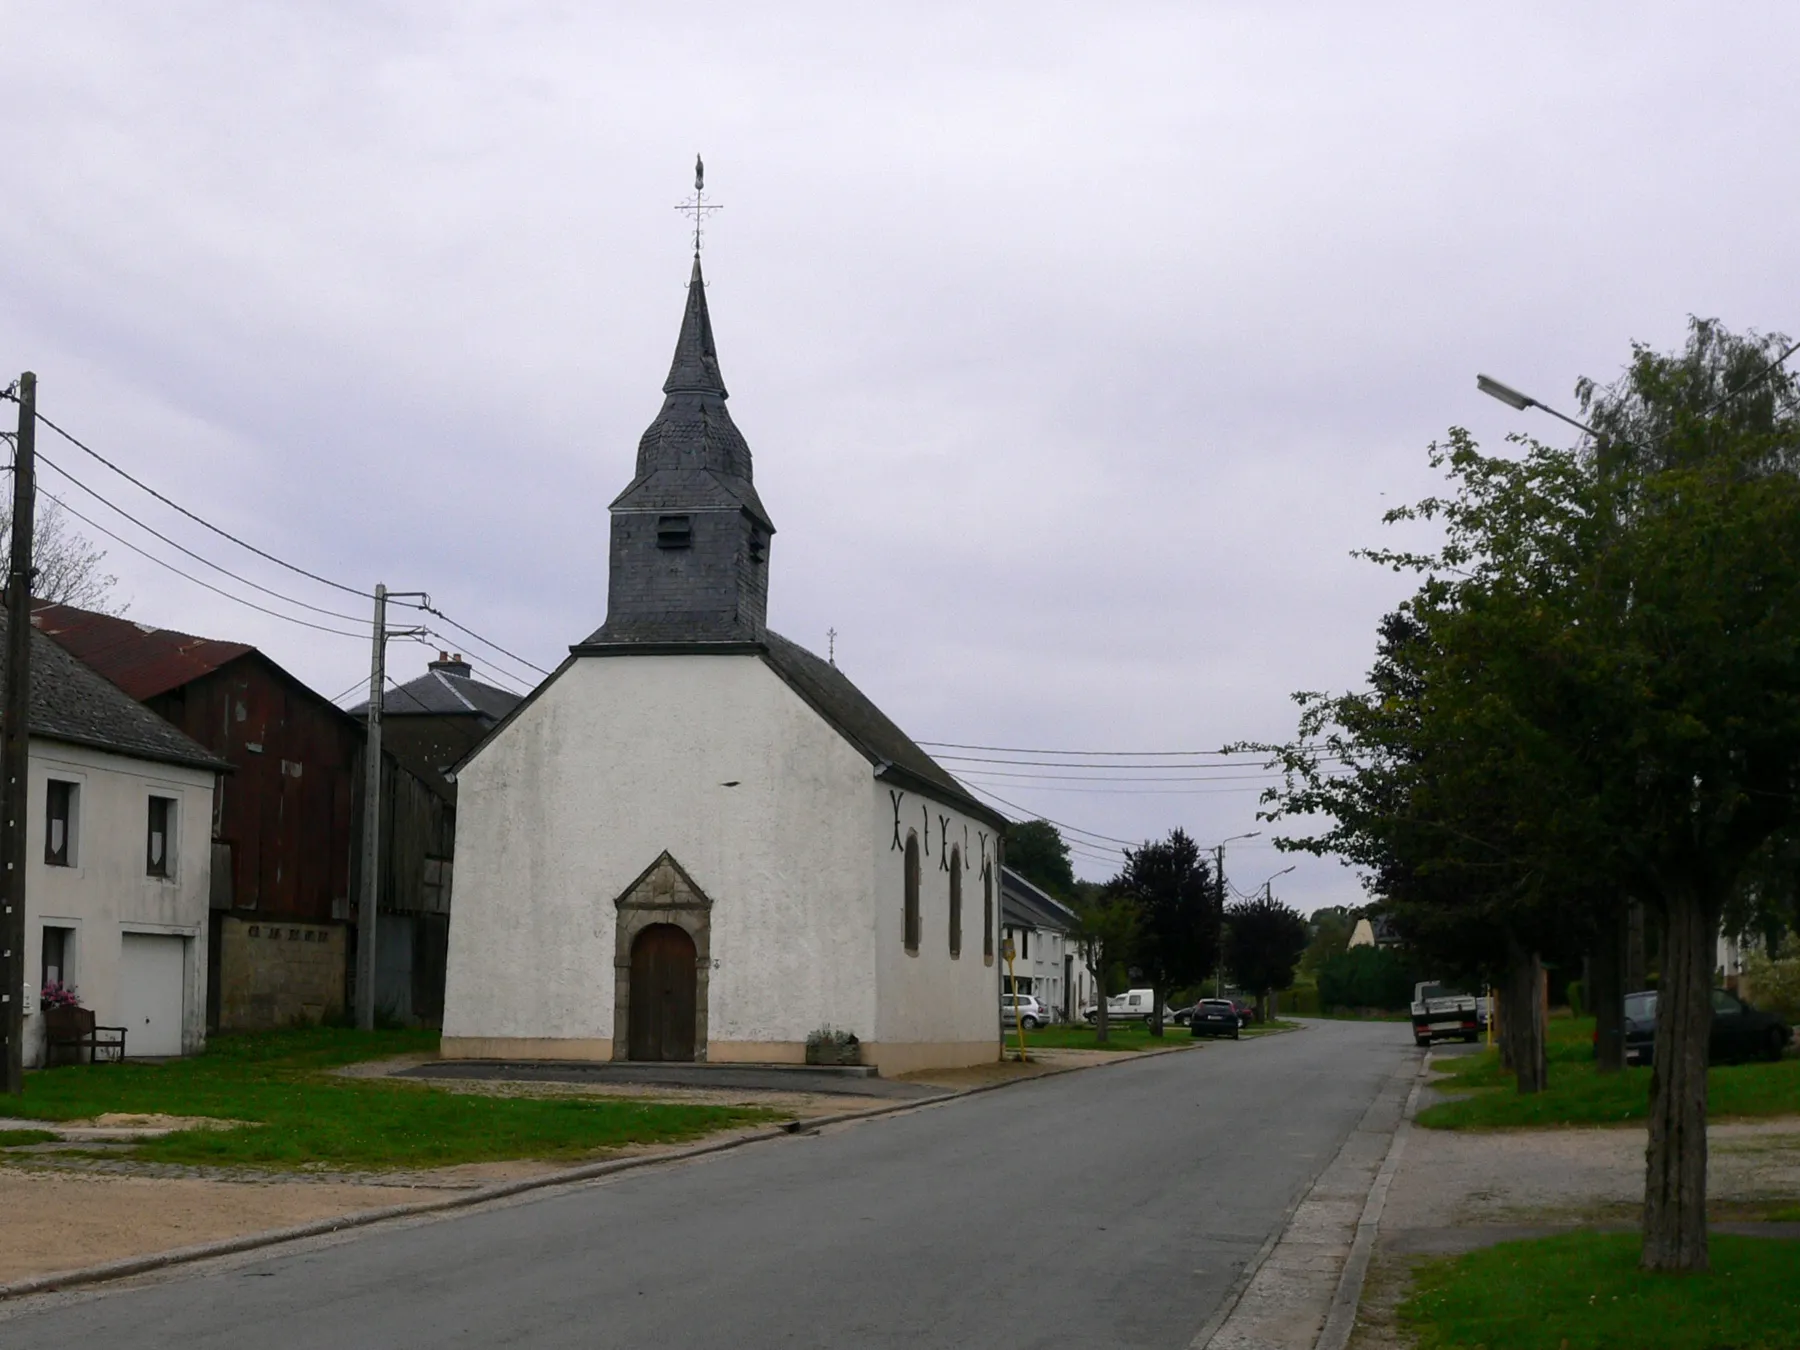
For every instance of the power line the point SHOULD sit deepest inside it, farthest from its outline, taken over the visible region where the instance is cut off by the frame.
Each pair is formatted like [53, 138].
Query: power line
[1115, 778]
[329, 613]
[429, 608]
[201, 520]
[1113, 754]
[1061, 825]
[496, 669]
[205, 585]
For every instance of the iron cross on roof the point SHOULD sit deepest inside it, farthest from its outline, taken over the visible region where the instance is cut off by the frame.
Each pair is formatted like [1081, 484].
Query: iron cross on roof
[697, 206]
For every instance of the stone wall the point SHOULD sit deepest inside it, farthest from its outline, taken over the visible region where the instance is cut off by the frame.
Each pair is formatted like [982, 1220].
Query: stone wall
[274, 974]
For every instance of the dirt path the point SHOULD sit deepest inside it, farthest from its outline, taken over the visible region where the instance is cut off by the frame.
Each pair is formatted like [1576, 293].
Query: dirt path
[63, 1220]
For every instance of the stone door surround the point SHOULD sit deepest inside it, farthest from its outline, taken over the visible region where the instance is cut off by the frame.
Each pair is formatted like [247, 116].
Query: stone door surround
[662, 893]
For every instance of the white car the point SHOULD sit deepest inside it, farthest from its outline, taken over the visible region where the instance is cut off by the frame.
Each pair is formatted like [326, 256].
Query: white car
[1022, 1009]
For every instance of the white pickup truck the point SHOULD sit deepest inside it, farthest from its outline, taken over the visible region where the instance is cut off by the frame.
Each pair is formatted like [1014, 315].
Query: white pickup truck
[1442, 1013]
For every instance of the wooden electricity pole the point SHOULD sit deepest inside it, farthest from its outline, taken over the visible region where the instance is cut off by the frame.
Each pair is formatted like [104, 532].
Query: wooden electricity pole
[15, 736]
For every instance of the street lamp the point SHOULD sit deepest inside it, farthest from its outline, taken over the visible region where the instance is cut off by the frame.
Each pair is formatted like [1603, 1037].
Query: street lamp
[1282, 873]
[1512, 398]
[1219, 887]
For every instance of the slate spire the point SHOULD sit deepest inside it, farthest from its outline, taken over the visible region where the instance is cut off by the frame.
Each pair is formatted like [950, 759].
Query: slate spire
[690, 537]
[695, 369]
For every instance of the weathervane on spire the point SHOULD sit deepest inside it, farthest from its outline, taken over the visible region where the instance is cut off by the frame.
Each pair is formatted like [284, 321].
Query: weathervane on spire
[697, 206]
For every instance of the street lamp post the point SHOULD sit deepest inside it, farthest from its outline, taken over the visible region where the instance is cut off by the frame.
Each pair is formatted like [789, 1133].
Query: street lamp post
[1219, 888]
[1512, 398]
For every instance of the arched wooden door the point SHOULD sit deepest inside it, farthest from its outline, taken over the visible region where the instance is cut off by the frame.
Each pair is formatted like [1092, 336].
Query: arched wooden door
[661, 1012]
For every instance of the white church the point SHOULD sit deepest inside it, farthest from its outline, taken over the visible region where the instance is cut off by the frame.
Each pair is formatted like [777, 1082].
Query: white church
[699, 841]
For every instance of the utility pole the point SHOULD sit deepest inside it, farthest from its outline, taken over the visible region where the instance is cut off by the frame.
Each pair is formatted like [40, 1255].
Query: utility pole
[1219, 888]
[15, 732]
[369, 899]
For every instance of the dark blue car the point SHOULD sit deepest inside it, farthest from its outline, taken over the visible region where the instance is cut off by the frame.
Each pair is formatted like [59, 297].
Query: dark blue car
[1739, 1031]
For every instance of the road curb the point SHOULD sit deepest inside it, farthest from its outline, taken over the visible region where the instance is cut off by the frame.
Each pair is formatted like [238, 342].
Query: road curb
[1341, 1320]
[151, 1262]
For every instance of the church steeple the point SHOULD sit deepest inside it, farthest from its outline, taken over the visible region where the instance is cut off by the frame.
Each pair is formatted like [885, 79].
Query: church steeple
[690, 537]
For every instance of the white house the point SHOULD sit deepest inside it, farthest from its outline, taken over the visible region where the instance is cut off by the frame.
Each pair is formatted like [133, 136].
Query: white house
[118, 859]
[1046, 958]
[697, 840]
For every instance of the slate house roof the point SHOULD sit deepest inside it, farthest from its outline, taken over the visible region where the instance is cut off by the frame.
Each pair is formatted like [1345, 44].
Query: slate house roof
[72, 703]
[1025, 905]
[447, 689]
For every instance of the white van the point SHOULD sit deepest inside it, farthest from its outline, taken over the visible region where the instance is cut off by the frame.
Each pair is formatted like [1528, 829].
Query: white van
[1134, 1005]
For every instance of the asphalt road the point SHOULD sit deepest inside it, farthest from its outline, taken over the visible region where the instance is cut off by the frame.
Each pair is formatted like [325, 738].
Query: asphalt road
[1109, 1208]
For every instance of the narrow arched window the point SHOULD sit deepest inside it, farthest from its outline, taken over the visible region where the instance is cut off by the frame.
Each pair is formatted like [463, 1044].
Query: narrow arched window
[956, 902]
[987, 915]
[911, 919]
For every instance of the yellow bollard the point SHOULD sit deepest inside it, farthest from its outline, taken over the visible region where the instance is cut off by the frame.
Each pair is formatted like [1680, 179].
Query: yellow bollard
[1012, 981]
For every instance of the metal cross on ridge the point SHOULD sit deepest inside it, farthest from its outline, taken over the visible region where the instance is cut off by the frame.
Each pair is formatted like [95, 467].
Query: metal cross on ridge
[697, 206]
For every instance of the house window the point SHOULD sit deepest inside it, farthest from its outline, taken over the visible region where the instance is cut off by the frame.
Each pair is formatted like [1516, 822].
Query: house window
[59, 946]
[956, 902]
[1024, 943]
[59, 822]
[160, 843]
[674, 532]
[911, 917]
[987, 915]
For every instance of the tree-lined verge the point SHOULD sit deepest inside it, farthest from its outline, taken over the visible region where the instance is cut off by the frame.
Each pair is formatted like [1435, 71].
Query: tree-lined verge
[1591, 702]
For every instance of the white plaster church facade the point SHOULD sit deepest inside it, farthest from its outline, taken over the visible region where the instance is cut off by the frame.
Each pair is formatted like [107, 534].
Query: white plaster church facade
[697, 840]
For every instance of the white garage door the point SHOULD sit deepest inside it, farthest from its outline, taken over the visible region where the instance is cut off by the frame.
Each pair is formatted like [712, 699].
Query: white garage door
[150, 988]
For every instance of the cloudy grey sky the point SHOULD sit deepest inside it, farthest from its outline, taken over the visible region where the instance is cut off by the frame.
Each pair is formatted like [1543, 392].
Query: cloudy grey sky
[1077, 345]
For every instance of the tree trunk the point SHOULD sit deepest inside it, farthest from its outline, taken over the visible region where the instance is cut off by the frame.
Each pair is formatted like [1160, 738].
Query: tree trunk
[1525, 1019]
[1606, 991]
[1637, 969]
[1502, 1013]
[1156, 1007]
[1675, 1180]
[1262, 1007]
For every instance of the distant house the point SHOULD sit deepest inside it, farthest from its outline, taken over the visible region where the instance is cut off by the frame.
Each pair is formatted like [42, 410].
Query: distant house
[118, 860]
[286, 825]
[428, 724]
[1374, 931]
[1045, 959]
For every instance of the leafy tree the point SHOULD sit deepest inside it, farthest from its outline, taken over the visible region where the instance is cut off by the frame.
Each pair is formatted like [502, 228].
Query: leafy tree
[1329, 933]
[69, 566]
[1263, 943]
[1178, 914]
[1593, 699]
[1366, 977]
[1036, 851]
[1106, 928]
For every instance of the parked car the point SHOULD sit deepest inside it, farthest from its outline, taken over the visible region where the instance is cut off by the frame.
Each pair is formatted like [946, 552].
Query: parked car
[1439, 1012]
[1246, 1007]
[1022, 1009]
[1216, 1017]
[1185, 1015]
[1134, 1005]
[1739, 1031]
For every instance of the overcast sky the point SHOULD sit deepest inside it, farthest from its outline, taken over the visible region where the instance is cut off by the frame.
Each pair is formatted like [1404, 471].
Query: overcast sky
[1077, 345]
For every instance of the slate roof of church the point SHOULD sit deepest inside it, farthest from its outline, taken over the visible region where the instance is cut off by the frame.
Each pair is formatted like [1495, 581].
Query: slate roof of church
[73, 703]
[694, 458]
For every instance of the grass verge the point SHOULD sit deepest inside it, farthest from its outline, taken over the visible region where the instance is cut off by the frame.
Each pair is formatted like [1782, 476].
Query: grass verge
[1580, 1095]
[13, 1138]
[1583, 1291]
[299, 1115]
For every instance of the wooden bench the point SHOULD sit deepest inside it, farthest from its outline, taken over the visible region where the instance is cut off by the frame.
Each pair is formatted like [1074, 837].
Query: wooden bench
[72, 1032]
